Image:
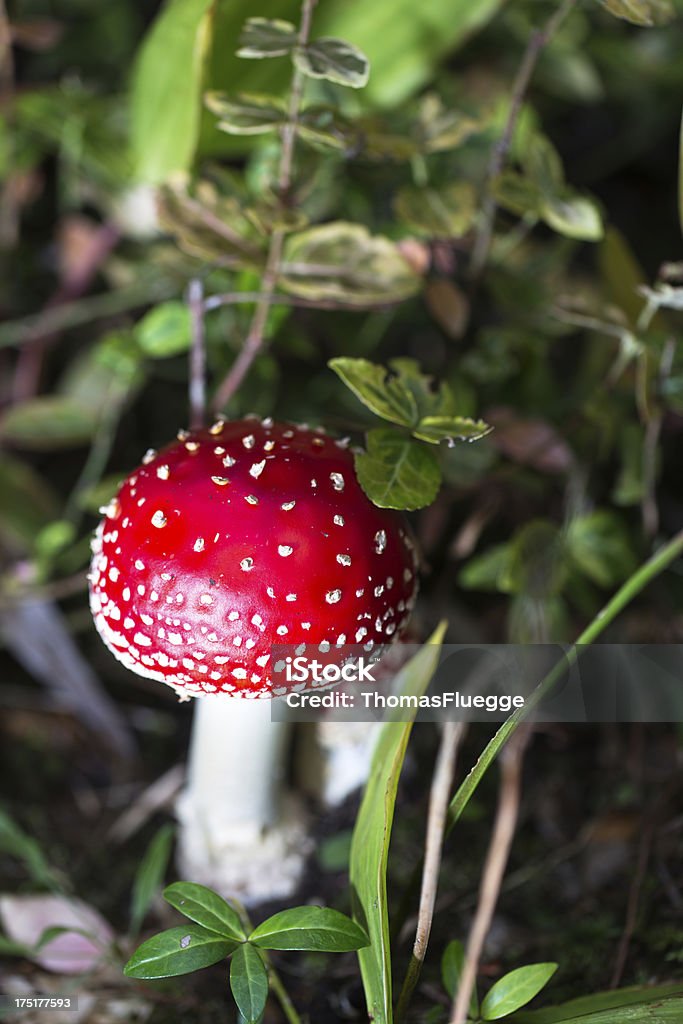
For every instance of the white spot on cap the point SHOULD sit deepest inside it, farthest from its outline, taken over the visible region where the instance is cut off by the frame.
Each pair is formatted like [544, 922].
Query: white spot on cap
[163, 472]
[139, 564]
[332, 596]
[339, 520]
[344, 559]
[114, 574]
[285, 550]
[175, 639]
[256, 620]
[256, 469]
[407, 575]
[205, 599]
[379, 591]
[246, 564]
[217, 427]
[270, 592]
[239, 673]
[324, 647]
[183, 435]
[268, 446]
[337, 481]
[142, 640]
[199, 544]
[219, 450]
[249, 441]
[126, 594]
[360, 634]
[228, 461]
[314, 483]
[128, 623]
[234, 616]
[149, 455]
[237, 641]
[305, 625]
[282, 631]
[159, 519]
[220, 481]
[290, 597]
[341, 639]
[251, 499]
[141, 590]
[263, 660]
[287, 506]
[192, 446]
[380, 541]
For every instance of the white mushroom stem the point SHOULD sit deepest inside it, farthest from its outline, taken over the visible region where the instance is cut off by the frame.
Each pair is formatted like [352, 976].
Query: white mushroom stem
[240, 832]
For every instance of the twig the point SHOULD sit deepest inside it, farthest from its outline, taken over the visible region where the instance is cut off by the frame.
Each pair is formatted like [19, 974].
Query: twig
[436, 824]
[255, 336]
[648, 505]
[494, 869]
[538, 40]
[197, 386]
[236, 298]
[644, 848]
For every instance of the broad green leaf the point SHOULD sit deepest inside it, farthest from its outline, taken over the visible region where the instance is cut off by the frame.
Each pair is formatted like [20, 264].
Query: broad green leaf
[641, 12]
[572, 215]
[312, 928]
[452, 963]
[447, 212]
[246, 114]
[167, 87]
[517, 194]
[150, 875]
[516, 989]
[372, 834]
[249, 982]
[206, 908]
[267, 37]
[542, 163]
[431, 398]
[165, 331]
[27, 505]
[622, 274]
[177, 951]
[440, 428]
[489, 571]
[661, 1004]
[16, 843]
[334, 60]
[47, 423]
[381, 391]
[343, 262]
[397, 472]
[599, 545]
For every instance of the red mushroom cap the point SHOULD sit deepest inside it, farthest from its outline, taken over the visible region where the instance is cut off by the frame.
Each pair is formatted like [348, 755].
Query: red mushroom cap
[242, 536]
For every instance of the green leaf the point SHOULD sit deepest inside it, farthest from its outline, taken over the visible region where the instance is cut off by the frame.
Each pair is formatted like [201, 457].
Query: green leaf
[247, 114]
[27, 505]
[164, 115]
[440, 428]
[177, 951]
[382, 392]
[517, 194]
[572, 215]
[47, 423]
[372, 834]
[542, 163]
[641, 12]
[334, 60]
[266, 37]
[16, 843]
[165, 331]
[343, 262]
[396, 472]
[489, 571]
[599, 545]
[447, 212]
[312, 928]
[432, 399]
[249, 982]
[149, 875]
[662, 1004]
[452, 963]
[516, 989]
[206, 908]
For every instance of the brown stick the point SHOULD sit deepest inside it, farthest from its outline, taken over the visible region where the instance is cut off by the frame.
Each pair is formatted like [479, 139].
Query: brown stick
[254, 340]
[512, 758]
[482, 243]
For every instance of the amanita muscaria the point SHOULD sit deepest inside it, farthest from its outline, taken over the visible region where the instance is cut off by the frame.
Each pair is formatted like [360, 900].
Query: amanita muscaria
[230, 540]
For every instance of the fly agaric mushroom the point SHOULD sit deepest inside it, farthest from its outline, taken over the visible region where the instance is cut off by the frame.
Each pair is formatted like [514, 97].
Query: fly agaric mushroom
[229, 541]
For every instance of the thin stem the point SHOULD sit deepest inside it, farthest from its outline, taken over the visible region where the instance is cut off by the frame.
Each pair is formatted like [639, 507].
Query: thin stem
[237, 298]
[436, 825]
[282, 995]
[494, 869]
[660, 561]
[538, 40]
[197, 386]
[255, 337]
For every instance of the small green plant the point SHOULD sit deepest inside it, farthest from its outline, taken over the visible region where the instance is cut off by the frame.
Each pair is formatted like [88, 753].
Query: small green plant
[220, 931]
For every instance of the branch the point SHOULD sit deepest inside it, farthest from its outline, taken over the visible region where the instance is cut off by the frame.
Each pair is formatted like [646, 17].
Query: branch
[482, 243]
[436, 825]
[494, 869]
[236, 298]
[254, 340]
[197, 386]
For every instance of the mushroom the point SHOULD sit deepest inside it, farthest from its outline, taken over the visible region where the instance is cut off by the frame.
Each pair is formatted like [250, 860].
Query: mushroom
[230, 540]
